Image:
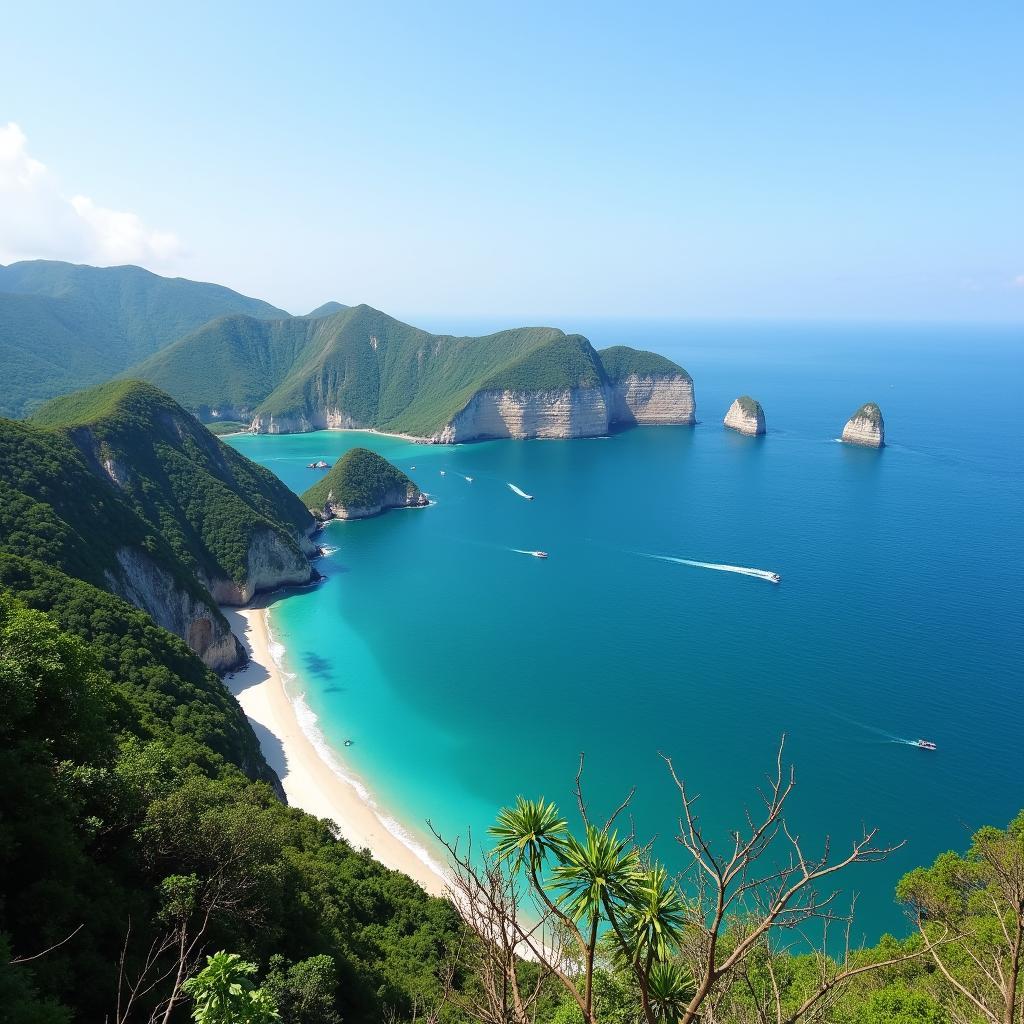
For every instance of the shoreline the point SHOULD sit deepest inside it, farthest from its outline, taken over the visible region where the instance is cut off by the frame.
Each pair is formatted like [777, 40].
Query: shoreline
[310, 782]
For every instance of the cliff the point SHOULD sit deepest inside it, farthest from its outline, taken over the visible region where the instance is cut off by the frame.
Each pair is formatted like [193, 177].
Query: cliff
[359, 368]
[122, 488]
[746, 416]
[572, 412]
[865, 427]
[362, 484]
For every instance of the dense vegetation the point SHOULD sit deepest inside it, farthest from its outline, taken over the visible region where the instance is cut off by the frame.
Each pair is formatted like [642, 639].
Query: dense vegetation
[125, 833]
[205, 499]
[375, 369]
[750, 406]
[870, 412]
[359, 479]
[222, 427]
[64, 326]
[620, 361]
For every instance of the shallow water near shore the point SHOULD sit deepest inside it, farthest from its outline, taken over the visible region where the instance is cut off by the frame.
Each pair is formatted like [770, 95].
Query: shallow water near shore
[465, 671]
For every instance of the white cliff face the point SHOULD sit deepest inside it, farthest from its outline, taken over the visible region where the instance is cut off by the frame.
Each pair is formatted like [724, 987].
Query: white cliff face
[271, 563]
[572, 412]
[394, 497]
[300, 423]
[745, 416]
[562, 413]
[652, 400]
[149, 587]
[865, 428]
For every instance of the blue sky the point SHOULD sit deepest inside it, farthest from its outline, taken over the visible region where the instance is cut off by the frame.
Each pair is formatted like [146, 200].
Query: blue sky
[733, 160]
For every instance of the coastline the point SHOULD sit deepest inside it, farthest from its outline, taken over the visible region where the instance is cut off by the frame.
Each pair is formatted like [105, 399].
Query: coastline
[310, 782]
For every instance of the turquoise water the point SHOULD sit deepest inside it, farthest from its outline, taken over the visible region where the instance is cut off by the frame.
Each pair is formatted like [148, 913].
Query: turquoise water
[465, 672]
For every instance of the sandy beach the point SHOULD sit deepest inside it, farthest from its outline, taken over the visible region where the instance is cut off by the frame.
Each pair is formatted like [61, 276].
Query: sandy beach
[309, 781]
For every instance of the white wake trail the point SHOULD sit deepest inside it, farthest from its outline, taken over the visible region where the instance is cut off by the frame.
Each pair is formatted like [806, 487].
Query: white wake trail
[520, 492]
[742, 570]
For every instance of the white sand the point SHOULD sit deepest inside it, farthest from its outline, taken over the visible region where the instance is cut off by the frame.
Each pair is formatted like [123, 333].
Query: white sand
[310, 783]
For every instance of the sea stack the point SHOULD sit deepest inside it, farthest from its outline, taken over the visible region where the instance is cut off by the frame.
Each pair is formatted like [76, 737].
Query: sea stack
[362, 484]
[865, 427]
[746, 416]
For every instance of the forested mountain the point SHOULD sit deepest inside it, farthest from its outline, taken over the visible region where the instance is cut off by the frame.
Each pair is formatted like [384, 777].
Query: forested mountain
[64, 326]
[228, 357]
[121, 487]
[361, 367]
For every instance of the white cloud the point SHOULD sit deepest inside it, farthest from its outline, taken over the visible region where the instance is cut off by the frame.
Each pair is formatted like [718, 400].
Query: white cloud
[37, 221]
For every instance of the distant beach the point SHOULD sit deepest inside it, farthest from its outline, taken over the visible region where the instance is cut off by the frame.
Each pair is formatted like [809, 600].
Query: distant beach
[309, 780]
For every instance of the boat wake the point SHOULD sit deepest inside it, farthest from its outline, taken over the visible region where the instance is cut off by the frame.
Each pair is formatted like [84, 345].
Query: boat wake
[520, 492]
[885, 735]
[762, 574]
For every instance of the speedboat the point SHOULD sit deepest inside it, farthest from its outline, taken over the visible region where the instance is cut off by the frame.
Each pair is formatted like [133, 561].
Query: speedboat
[469, 479]
[442, 472]
[775, 578]
[539, 554]
[925, 744]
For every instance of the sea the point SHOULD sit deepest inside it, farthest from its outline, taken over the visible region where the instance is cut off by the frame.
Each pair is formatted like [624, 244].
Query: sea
[449, 670]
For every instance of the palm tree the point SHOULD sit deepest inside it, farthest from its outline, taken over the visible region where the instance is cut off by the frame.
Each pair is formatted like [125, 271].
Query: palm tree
[670, 989]
[527, 833]
[592, 878]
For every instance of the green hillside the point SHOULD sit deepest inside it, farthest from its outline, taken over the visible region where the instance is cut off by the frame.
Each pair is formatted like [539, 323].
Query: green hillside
[359, 479]
[621, 361]
[63, 326]
[205, 499]
[327, 309]
[230, 363]
[379, 371]
[137, 807]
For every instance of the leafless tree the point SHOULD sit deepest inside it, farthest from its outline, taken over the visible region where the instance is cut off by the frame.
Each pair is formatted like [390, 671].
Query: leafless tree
[723, 922]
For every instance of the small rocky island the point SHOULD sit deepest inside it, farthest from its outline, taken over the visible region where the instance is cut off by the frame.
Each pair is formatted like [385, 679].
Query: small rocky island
[361, 484]
[865, 427]
[746, 416]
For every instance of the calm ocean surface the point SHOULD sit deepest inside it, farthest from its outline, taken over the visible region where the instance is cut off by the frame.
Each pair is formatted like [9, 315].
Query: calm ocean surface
[465, 672]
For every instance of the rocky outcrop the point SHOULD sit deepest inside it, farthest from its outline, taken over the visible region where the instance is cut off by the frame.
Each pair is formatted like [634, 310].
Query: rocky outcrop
[865, 427]
[302, 423]
[393, 497]
[647, 400]
[746, 416]
[571, 412]
[148, 586]
[271, 563]
[562, 413]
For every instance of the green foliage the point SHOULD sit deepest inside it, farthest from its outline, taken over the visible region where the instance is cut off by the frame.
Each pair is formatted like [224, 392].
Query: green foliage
[898, 1004]
[222, 427]
[869, 411]
[64, 326]
[359, 479]
[223, 993]
[377, 370]
[202, 497]
[750, 406]
[621, 361]
[304, 991]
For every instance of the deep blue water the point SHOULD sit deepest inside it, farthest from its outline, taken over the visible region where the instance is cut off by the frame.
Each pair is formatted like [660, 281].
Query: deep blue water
[466, 673]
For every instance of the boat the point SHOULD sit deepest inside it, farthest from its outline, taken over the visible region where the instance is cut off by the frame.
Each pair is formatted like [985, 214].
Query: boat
[348, 743]
[775, 578]
[442, 472]
[469, 479]
[925, 744]
[319, 465]
[539, 554]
